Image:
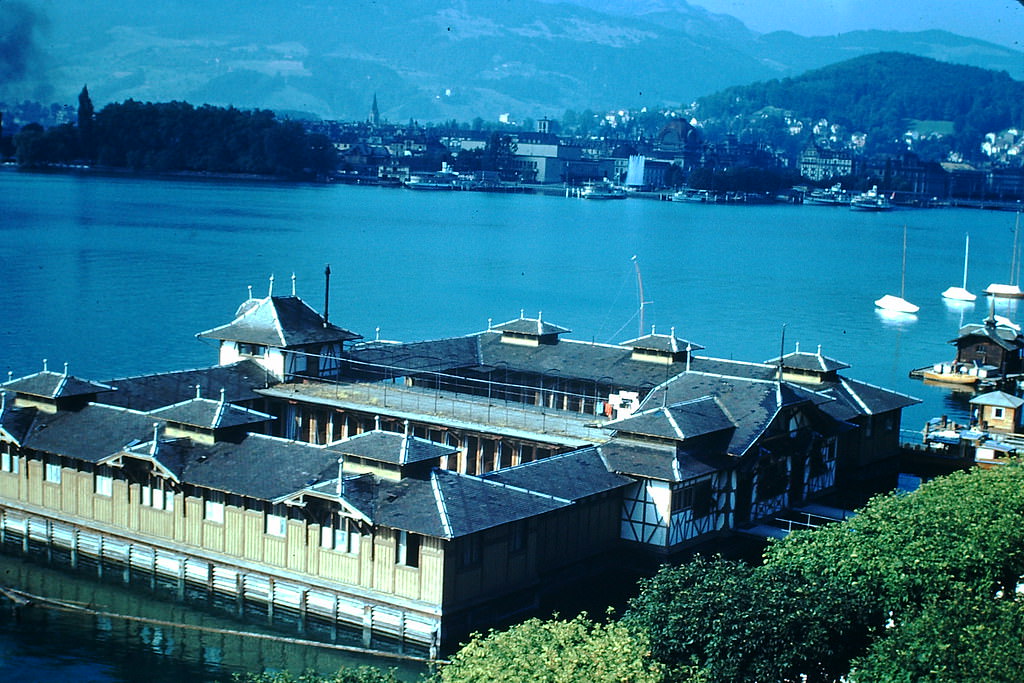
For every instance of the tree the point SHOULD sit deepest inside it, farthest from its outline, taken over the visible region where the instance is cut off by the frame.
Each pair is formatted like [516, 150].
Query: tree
[555, 651]
[499, 155]
[359, 674]
[86, 114]
[741, 623]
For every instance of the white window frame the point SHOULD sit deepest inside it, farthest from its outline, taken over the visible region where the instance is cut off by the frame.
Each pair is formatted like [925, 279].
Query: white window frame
[104, 485]
[10, 463]
[213, 511]
[157, 498]
[277, 525]
[52, 472]
[344, 538]
[997, 413]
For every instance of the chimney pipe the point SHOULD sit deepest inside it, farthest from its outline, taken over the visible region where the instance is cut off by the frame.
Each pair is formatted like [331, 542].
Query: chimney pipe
[327, 291]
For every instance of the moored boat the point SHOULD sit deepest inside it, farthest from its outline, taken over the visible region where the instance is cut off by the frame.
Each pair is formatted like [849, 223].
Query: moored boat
[833, 196]
[602, 190]
[871, 201]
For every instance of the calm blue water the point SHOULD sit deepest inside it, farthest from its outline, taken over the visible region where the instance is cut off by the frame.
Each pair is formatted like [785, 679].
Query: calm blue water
[116, 275]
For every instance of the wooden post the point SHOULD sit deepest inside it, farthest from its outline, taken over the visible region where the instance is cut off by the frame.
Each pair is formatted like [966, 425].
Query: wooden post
[74, 548]
[303, 608]
[367, 625]
[271, 597]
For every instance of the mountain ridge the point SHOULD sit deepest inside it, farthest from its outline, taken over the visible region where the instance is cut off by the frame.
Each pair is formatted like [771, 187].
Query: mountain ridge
[455, 60]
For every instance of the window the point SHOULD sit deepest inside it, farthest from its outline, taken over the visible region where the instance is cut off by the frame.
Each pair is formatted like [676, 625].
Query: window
[277, 525]
[104, 485]
[154, 496]
[213, 509]
[254, 350]
[344, 538]
[997, 413]
[9, 462]
[407, 549]
[52, 473]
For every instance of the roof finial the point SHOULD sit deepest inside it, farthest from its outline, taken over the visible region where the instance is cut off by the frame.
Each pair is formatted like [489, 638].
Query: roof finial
[222, 395]
[199, 391]
[539, 315]
[65, 369]
[44, 365]
[652, 330]
[376, 422]
[10, 375]
[672, 331]
[270, 291]
[250, 291]
[490, 321]
[522, 313]
[798, 347]
[293, 284]
[376, 333]
[819, 349]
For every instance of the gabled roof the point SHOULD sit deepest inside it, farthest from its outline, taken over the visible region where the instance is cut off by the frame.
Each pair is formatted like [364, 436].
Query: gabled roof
[149, 392]
[530, 326]
[573, 475]
[391, 447]
[813, 362]
[655, 462]
[88, 434]
[996, 331]
[53, 385]
[678, 421]
[279, 322]
[15, 422]
[662, 342]
[447, 505]
[209, 414]
[998, 399]
[258, 466]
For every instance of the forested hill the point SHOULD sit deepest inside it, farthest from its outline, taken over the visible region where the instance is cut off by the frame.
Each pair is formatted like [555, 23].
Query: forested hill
[881, 94]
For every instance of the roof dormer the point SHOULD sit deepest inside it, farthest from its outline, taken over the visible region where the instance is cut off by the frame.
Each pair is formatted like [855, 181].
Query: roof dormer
[528, 331]
[808, 368]
[390, 455]
[661, 348]
[207, 421]
[53, 391]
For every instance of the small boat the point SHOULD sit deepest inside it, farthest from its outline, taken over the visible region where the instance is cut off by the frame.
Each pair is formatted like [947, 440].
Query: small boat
[692, 196]
[897, 304]
[957, 373]
[834, 196]
[870, 201]
[961, 293]
[1011, 290]
[602, 190]
[431, 181]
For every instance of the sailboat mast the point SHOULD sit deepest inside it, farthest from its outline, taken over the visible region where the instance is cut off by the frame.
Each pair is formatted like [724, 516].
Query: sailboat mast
[903, 268]
[640, 294]
[967, 251]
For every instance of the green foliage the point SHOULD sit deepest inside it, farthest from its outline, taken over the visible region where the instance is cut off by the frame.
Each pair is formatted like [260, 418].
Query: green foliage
[176, 136]
[880, 94]
[971, 640]
[360, 674]
[740, 623]
[556, 651]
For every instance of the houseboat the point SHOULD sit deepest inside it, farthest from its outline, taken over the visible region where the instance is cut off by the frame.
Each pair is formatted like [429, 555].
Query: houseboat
[420, 491]
[987, 354]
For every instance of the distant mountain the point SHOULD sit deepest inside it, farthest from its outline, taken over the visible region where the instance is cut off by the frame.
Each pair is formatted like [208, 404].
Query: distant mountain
[424, 60]
[882, 94]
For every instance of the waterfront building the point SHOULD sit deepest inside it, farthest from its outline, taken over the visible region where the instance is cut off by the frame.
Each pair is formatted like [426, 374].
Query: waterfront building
[418, 491]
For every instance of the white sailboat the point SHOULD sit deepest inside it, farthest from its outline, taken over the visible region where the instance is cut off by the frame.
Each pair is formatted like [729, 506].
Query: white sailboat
[897, 304]
[961, 293]
[1011, 290]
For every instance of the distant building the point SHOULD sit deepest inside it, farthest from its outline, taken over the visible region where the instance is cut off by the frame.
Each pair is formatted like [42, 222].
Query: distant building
[817, 163]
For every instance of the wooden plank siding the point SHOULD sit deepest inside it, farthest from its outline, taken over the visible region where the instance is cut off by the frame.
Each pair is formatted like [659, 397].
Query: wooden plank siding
[242, 535]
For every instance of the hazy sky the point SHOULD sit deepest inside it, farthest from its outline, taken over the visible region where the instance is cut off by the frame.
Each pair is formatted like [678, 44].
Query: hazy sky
[998, 21]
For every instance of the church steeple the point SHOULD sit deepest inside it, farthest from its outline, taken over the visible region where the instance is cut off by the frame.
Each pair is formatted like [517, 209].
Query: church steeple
[374, 112]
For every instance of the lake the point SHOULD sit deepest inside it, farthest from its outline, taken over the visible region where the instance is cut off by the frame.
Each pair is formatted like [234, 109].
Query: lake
[116, 275]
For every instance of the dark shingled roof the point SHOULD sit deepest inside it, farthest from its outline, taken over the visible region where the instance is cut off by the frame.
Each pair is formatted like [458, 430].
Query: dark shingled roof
[280, 322]
[662, 342]
[683, 420]
[814, 362]
[16, 422]
[209, 414]
[261, 467]
[149, 392]
[447, 505]
[427, 356]
[391, 447]
[573, 475]
[1005, 336]
[89, 434]
[52, 385]
[655, 462]
[530, 326]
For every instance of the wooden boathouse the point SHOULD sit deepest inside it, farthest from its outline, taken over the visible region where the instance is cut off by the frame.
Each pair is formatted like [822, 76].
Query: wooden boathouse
[419, 491]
